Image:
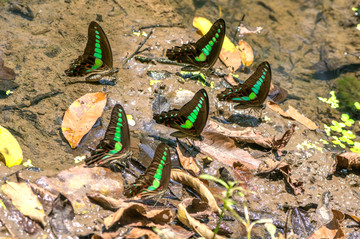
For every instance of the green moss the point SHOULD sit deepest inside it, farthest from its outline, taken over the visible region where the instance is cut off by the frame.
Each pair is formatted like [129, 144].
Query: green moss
[348, 92]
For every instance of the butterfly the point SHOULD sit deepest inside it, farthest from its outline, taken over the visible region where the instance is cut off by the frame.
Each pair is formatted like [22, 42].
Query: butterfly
[156, 178]
[116, 144]
[253, 92]
[190, 119]
[203, 53]
[97, 61]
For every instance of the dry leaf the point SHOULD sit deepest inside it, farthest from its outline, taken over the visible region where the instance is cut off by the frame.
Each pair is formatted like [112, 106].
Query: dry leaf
[10, 150]
[229, 54]
[198, 186]
[247, 54]
[248, 135]
[106, 202]
[188, 162]
[175, 232]
[292, 113]
[81, 116]
[332, 229]
[268, 165]
[191, 222]
[25, 200]
[279, 144]
[277, 93]
[142, 233]
[134, 214]
[224, 150]
[75, 183]
[348, 160]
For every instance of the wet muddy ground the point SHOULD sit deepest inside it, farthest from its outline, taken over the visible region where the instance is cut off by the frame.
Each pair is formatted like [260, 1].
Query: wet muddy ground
[304, 41]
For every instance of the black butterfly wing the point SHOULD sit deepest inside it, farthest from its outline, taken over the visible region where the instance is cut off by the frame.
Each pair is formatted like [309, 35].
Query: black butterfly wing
[191, 118]
[97, 54]
[205, 51]
[156, 177]
[254, 90]
[116, 142]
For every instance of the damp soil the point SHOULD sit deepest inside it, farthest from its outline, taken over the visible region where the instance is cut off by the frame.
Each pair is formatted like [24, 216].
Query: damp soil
[304, 41]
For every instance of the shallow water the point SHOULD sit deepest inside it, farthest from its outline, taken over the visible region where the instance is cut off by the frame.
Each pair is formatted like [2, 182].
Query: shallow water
[304, 41]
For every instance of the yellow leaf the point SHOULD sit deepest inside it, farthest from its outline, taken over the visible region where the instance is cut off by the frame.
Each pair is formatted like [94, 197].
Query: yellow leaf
[9, 148]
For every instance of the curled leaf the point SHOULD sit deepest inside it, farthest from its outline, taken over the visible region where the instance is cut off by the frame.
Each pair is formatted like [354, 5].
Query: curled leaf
[198, 186]
[185, 217]
[81, 116]
[10, 150]
[134, 214]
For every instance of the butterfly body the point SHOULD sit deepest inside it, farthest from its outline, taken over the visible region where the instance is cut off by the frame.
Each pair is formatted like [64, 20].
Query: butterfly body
[190, 119]
[203, 53]
[156, 178]
[253, 92]
[96, 64]
[116, 144]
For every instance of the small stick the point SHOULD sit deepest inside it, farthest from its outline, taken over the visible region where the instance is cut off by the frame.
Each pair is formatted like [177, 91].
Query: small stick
[120, 7]
[237, 29]
[141, 44]
[160, 60]
[160, 25]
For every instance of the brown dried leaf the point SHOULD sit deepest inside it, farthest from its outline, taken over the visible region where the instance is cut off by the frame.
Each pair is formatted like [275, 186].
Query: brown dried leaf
[81, 116]
[268, 165]
[223, 149]
[277, 93]
[25, 200]
[142, 233]
[279, 144]
[332, 229]
[248, 135]
[348, 160]
[191, 222]
[175, 232]
[134, 214]
[106, 202]
[292, 113]
[75, 183]
[188, 162]
[198, 186]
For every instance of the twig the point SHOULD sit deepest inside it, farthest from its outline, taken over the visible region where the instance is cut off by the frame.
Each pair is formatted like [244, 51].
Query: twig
[237, 29]
[34, 101]
[160, 25]
[146, 59]
[141, 44]
[120, 7]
